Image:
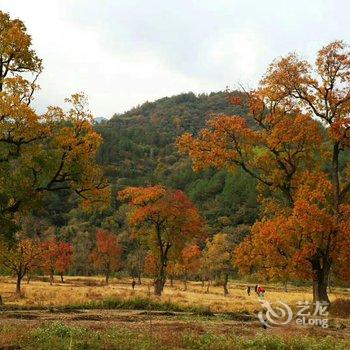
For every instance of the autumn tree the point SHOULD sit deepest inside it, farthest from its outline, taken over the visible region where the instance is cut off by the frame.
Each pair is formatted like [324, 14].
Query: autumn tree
[40, 153]
[189, 262]
[20, 257]
[49, 257]
[167, 218]
[56, 256]
[135, 262]
[217, 258]
[107, 254]
[293, 142]
[172, 271]
[65, 258]
[151, 267]
[83, 244]
[151, 264]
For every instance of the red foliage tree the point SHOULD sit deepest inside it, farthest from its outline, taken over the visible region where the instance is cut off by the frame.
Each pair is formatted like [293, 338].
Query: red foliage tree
[56, 256]
[107, 254]
[64, 259]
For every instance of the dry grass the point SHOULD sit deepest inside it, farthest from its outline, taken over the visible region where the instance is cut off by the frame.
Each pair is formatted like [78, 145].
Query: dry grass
[132, 329]
[80, 290]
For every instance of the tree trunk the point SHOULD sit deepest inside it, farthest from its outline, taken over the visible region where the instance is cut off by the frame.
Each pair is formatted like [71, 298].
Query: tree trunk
[171, 281]
[321, 267]
[320, 291]
[185, 281]
[163, 250]
[329, 282]
[159, 285]
[139, 278]
[18, 283]
[208, 286]
[286, 286]
[160, 280]
[51, 277]
[107, 277]
[225, 284]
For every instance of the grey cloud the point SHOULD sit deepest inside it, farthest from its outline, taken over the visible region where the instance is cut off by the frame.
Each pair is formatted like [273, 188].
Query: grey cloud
[182, 45]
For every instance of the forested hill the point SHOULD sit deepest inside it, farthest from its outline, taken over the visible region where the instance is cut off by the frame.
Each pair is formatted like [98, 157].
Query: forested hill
[139, 149]
[138, 144]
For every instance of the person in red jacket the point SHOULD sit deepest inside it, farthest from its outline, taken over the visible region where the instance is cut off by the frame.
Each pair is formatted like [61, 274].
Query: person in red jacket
[261, 292]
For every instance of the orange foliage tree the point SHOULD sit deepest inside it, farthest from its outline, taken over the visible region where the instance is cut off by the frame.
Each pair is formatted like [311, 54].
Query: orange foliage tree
[151, 264]
[167, 217]
[107, 254]
[189, 262]
[56, 256]
[294, 145]
[20, 257]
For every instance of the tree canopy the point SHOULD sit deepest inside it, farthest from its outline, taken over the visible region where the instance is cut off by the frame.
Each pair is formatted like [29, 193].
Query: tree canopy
[40, 153]
[294, 151]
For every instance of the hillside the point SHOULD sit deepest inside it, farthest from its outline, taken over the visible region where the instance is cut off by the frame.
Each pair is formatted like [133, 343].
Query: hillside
[139, 150]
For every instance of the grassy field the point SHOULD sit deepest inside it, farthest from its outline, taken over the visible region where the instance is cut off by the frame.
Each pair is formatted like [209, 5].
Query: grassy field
[82, 290]
[83, 313]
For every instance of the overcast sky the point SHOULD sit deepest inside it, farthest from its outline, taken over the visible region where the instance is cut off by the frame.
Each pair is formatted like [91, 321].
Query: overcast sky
[124, 52]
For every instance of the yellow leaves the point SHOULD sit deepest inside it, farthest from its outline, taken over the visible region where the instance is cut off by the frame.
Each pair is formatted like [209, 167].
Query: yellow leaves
[340, 131]
[227, 140]
[141, 195]
[56, 150]
[272, 153]
[24, 255]
[79, 108]
[217, 257]
[190, 260]
[256, 105]
[164, 214]
[184, 143]
[297, 127]
[284, 76]
[151, 265]
[15, 48]
[19, 87]
[314, 186]
[293, 134]
[267, 249]
[282, 243]
[333, 62]
[41, 153]
[323, 90]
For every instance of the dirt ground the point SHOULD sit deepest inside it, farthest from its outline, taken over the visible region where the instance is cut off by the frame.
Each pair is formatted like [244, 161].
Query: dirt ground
[162, 323]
